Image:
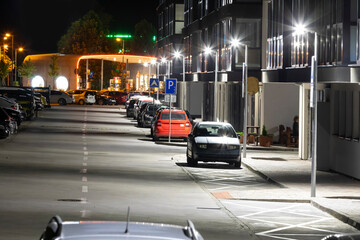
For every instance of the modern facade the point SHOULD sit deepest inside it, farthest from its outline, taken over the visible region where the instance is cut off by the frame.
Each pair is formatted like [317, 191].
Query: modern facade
[291, 26]
[212, 24]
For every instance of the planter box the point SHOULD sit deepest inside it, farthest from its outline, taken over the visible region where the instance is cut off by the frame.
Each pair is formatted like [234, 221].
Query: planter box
[265, 141]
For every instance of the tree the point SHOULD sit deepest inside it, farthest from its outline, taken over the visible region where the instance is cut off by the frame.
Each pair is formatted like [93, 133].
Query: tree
[143, 42]
[27, 69]
[54, 68]
[86, 36]
[5, 68]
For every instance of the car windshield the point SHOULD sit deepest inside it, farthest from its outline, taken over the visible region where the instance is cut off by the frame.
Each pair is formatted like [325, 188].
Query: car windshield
[215, 131]
[174, 116]
[152, 108]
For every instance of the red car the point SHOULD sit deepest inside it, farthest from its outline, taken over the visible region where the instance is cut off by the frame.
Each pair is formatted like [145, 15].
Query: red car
[180, 125]
[120, 97]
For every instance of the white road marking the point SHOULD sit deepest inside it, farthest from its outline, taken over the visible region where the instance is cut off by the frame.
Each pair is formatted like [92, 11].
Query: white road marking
[84, 164]
[86, 153]
[85, 158]
[83, 200]
[84, 179]
[85, 148]
[84, 170]
[85, 189]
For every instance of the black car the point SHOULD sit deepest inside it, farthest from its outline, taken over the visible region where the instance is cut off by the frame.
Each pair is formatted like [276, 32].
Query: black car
[15, 114]
[105, 98]
[147, 116]
[24, 97]
[7, 124]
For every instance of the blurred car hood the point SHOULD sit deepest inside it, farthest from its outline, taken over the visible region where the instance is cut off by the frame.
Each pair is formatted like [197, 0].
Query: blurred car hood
[217, 140]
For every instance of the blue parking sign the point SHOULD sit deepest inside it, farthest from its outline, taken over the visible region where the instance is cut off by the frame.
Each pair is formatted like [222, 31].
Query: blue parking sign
[170, 86]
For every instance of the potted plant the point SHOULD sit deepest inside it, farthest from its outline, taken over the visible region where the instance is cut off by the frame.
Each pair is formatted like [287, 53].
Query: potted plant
[240, 136]
[265, 138]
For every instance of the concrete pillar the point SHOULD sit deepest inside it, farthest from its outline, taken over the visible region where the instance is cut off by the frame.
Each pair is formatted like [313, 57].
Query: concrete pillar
[304, 121]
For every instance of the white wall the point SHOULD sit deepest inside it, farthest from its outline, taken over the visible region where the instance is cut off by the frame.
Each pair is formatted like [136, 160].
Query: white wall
[280, 104]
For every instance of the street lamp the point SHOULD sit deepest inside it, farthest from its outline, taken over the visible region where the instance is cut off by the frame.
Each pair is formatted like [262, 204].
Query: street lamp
[16, 68]
[208, 51]
[177, 54]
[7, 35]
[299, 30]
[235, 43]
[148, 65]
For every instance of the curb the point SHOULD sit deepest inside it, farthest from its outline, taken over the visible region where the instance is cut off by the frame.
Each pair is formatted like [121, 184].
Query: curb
[263, 175]
[337, 215]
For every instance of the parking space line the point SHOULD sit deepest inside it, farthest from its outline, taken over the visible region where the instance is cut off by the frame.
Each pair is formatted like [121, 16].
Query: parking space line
[84, 189]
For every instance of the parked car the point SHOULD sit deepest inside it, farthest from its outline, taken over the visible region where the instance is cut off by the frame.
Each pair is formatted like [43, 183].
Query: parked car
[25, 97]
[105, 98]
[83, 96]
[131, 96]
[139, 103]
[60, 97]
[91, 230]
[9, 125]
[130, 108]
[180, 125]
[213, 142]
[147, 116]
[120, 97]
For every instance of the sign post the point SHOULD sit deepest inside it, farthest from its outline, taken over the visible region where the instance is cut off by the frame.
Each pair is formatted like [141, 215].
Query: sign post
[170, 88]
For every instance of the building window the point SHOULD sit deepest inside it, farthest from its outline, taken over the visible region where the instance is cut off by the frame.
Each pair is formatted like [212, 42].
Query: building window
[179, 18]
[225, 46]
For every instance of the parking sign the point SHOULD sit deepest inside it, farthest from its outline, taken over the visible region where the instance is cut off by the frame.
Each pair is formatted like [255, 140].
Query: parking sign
[154, 82]
[170, 86]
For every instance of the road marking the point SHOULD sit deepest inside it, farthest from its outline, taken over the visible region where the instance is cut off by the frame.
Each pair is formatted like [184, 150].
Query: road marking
[85, 189]
[83, 200]
[84, 179]
[84, 164]
[86, 153]
[85, 148]
[84, 170]
[85, 158]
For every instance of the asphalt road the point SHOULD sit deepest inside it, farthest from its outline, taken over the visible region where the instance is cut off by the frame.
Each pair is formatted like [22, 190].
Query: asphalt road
[91, 163]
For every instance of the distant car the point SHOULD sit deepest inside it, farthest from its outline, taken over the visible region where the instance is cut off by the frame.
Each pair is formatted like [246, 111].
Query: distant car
[180, 125]
[83, 96]
[105, 98]
[119, 97]
[96, 230]
[60, 97]
[213, 142]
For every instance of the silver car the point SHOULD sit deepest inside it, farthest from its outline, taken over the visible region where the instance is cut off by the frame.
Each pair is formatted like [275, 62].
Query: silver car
[213, 142]
[60, 97]
[91, 230]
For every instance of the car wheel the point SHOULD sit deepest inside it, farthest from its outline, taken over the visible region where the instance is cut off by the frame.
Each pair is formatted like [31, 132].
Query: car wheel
[190, 161]
[62, 102]
[101, 102]
[155, 138]
[237, 164]
[81, 102]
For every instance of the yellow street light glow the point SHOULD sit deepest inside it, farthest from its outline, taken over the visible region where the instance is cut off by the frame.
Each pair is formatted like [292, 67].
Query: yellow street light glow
[5, 38]
[21, 49]
[8, 34]
[6, 46]
[118, 39]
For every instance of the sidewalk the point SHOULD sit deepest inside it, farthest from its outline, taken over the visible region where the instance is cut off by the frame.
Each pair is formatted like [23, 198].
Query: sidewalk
[336, 194]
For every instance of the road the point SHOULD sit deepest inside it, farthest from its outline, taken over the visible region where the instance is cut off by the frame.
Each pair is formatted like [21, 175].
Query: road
[91, 163]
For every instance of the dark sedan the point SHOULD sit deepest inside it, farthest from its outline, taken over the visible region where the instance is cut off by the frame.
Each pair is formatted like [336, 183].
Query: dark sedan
[213, 142]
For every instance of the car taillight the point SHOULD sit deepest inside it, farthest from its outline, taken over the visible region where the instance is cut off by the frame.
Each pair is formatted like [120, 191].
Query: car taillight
[187, 124]
[13, 107]
[158, 124]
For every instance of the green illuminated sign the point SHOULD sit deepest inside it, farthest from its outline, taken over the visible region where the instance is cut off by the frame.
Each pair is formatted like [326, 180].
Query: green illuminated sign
[119, 36]
[154, 38]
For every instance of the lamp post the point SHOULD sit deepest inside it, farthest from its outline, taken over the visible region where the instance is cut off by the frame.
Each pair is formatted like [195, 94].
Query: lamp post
[7, 35]
[208, 51]
[235, 43]
[299, 30]
[16, 68]
[123, 59]
[178, 55]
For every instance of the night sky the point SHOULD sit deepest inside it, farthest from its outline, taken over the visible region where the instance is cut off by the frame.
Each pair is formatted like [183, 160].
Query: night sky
[38, 24]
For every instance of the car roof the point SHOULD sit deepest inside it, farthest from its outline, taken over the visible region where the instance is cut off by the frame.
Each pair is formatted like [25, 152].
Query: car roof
[76, 230]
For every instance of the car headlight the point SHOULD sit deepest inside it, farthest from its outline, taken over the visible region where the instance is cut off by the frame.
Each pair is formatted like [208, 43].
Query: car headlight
[233, 147]
[202, 146]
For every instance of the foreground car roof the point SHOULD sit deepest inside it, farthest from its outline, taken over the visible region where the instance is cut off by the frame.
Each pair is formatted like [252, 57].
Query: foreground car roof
[101, 230]
[214, 123]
